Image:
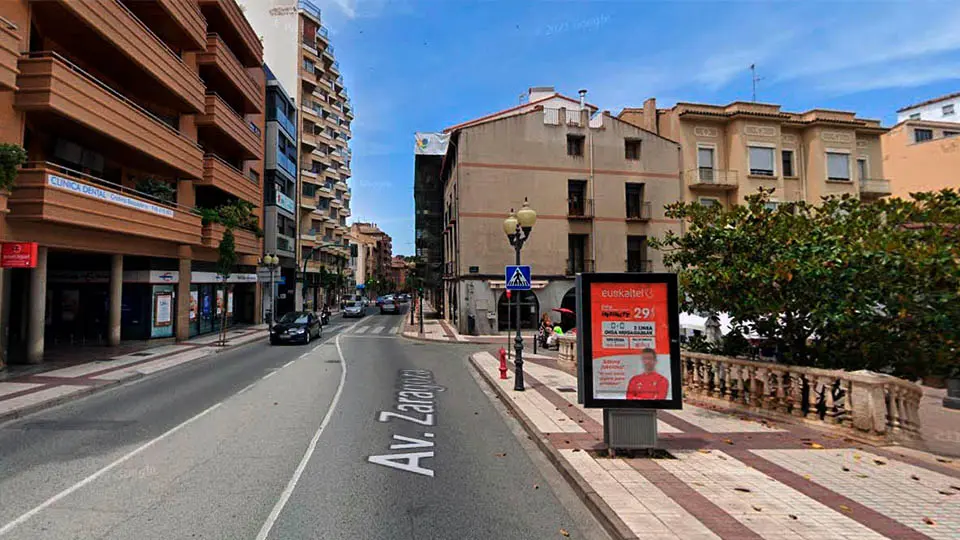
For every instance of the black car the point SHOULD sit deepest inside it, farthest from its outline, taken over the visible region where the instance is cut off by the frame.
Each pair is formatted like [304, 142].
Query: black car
[296, 326]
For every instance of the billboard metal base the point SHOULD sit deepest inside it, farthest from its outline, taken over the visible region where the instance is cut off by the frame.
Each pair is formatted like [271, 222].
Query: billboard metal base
[630, 429]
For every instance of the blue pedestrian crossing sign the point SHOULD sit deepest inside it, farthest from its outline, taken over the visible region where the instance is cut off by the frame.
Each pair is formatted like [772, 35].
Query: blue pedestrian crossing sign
[518, 278]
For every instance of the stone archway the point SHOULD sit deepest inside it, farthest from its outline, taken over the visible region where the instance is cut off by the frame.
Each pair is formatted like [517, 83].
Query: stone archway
[506, 312]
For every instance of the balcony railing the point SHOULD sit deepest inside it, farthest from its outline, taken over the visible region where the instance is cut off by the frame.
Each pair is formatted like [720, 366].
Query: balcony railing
[578, 266]
[286, 123]
[710, 178]
[9, 53]
[224, 176]
[878, 187]
[52, 193]
[286, 164]
[218, 56]
[311, 8]
[639, 264]
[579, 208]
[639, 212]
[285, 243]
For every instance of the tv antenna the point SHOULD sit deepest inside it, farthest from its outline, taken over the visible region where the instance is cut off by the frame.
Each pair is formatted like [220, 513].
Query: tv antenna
[754, 80]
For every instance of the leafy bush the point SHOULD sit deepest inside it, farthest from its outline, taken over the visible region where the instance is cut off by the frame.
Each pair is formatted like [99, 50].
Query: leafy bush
[12, 156]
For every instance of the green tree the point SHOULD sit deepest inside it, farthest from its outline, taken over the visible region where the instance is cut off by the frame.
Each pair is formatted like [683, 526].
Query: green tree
[226, 261]
[844, 284]
[12, 156]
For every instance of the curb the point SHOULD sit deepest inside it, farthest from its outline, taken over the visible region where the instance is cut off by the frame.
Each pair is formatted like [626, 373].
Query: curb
[604, 514]
[59, 400]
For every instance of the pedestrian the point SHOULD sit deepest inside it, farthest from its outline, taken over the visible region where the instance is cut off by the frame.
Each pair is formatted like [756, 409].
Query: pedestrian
[546, 327]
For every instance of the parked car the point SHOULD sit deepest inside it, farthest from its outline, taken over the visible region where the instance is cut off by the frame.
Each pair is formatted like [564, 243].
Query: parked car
[389, 306]
[354, 309]
[296, 326]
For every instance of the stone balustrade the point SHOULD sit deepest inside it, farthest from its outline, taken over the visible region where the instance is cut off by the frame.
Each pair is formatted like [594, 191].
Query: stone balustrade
[872, 404]
[568, 348]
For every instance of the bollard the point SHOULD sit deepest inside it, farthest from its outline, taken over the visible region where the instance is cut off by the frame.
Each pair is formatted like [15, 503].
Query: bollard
[503, 363]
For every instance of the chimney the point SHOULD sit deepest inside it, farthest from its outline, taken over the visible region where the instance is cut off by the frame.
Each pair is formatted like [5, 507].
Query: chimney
[650, 115]
[584, 112]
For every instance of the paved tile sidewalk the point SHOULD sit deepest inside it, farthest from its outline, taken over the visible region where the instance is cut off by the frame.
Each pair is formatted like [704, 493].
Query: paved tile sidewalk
[27, 393]
[735, 477]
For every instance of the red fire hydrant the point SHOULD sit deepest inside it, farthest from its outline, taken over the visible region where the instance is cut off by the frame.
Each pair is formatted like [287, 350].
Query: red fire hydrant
[503, 363]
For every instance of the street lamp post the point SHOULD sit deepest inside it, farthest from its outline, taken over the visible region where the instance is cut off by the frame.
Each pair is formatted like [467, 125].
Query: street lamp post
[272, 262]
[517, 227]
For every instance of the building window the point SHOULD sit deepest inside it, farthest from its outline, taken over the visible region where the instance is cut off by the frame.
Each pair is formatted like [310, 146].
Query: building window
[861, 169]
[920, 135]
[577, 198]
[705, 163]
[915, 116]
[947, 109]
[787, 158]
[709, 201]
[951, 133]
[634, 195]
[309, 66]
[637, 254]
[575, 145]
[761, 160]
[631, 148]
[254, 176]
[838, 166]
[576, 255]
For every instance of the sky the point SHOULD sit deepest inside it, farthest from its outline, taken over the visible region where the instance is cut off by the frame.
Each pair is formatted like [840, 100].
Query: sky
[425, 65]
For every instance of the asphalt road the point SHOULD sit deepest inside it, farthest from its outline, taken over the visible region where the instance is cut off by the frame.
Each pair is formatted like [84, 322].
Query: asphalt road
[288, 442]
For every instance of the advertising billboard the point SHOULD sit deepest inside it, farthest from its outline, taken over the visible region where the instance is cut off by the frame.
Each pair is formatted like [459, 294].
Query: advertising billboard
[629, 341]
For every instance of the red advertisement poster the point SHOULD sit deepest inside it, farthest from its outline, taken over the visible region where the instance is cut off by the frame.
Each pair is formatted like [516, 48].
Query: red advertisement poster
[630, 341]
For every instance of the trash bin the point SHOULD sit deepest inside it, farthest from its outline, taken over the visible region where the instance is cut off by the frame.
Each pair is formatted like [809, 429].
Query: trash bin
[471, 324]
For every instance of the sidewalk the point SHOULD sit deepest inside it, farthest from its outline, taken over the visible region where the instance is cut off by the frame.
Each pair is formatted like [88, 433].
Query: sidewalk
[732, 477]
[32, 389]
[441, 330]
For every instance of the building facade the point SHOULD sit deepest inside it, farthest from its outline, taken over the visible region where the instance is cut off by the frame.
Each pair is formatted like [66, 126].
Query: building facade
[729, 151]
[942, 109]
[299, 51]
[139, 119]
[279, 194]
[921, 155]
[374, 256]
[598, 185]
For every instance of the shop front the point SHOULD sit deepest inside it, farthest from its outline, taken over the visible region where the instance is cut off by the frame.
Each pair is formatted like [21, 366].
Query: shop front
[209, 298]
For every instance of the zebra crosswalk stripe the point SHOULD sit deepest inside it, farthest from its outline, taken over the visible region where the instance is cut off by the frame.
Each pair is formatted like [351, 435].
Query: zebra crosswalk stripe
[377, 330]
[360, 329]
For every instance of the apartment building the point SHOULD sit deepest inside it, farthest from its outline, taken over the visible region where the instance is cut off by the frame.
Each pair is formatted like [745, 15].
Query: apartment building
[375, 252]
[298, 48]
[134, 116]
[399, 269]
[922, 155]
[280, 192]
[598, 185]
[729, 151]
[941, 109]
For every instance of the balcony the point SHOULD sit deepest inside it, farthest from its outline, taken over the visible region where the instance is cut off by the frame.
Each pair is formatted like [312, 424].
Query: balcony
[114, 23]
[311, 114]
[9, 53]
[246, 241]
[49, 193]
[308, 138]
[340, 186]
[578, 266]
[225, 177]
[286, 245]
[710, 179]
[639, 264]
[223, 72]
[286, 164]
[310, 8]
[229, 128]
[51, 85]
[325, 190]
[309, 236]
[639, 212]
[308, 202]
[288, 126]
[189, 20]
[323, 34]
[335, 203]
[874, 187]
[579, 208]
[225, 18]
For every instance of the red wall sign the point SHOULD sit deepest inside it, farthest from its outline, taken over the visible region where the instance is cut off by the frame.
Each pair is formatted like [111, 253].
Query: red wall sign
[18, 255]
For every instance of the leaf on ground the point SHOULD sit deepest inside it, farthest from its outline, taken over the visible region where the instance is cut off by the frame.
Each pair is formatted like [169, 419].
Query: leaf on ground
[703, 451]
[721, 457]
[791, 516]
[955, 487]
[845, 469]
[576, 449]
[944, 460]
[880, 462]
[806, 477]
[501, 454]
[728, 441]
[757, 508]
[846, 509]
[945, 492]
[816, 446]
[863, 476]
[929, 521]
[856, 457]
[743, 489]
[914, 477]
[564, 532]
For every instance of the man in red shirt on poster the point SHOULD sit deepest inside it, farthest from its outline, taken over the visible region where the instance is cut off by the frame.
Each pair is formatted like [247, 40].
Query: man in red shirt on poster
[649, 384]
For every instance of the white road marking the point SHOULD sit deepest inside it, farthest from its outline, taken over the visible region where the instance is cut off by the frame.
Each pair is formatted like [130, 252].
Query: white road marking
[247, 387]
[377, 330]
[53, 500]
[268, 375]
[304, 355]
[290, 362]
[361, 330]
[292, 484]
